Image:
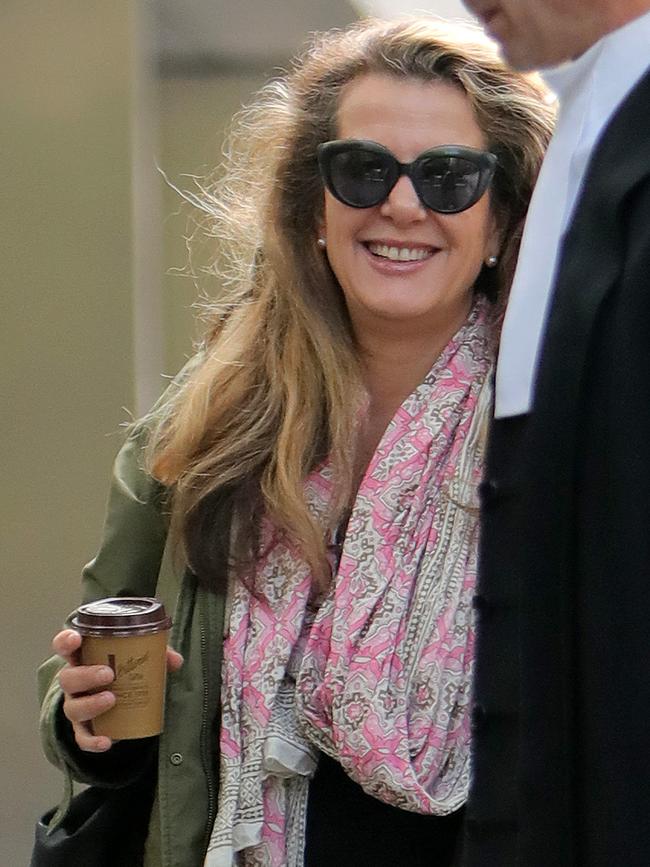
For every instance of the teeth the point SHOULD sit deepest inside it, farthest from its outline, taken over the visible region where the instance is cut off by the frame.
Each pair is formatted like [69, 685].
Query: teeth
[399, 254]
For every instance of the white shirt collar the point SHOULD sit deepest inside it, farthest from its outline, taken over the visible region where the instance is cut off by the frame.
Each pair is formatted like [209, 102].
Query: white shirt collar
[568, 78]
[610, 68]
[590, 90]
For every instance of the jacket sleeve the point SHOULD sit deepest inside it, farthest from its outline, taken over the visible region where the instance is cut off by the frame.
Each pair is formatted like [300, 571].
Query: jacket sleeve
[127, 564]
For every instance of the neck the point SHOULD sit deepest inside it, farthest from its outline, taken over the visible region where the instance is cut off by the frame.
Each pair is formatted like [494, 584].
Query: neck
[618, 13]
[396, 359]
[392, 370]
[394, 364]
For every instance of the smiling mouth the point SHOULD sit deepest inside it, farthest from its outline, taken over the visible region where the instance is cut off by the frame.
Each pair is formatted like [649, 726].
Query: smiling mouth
[400, 254]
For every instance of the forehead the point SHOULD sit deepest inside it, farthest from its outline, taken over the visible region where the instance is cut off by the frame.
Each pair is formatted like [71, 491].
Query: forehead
[407, 115]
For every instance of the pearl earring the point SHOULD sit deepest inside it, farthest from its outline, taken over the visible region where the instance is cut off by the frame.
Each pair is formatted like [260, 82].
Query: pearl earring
[491, 261]
[322, 243]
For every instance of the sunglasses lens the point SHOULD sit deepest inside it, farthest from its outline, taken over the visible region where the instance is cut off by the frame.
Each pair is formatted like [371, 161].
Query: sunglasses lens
[448, 184]
[360, 178]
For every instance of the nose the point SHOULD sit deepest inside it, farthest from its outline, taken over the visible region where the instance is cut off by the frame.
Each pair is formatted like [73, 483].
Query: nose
[403, 204]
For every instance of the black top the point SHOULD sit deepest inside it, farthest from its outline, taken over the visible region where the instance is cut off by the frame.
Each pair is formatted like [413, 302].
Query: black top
[560, 758]
[348, 828]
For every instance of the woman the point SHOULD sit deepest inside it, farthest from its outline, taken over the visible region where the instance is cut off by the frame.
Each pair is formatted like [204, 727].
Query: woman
[319, 458]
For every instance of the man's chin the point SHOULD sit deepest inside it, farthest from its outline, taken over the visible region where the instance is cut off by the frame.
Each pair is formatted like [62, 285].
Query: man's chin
[517, 60]
[523, 59]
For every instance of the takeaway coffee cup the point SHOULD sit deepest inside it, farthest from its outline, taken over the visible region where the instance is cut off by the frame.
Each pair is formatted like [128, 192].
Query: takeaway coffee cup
[129, 634]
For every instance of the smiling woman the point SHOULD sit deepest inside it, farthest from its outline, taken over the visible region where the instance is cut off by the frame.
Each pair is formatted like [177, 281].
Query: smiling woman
[400, 260]
[319, 457]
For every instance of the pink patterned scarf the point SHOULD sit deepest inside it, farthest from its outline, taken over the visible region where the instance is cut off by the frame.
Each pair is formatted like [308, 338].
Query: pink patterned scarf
[379, 676]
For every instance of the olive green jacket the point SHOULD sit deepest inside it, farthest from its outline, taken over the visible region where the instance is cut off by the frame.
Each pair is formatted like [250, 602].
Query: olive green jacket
[131, 562]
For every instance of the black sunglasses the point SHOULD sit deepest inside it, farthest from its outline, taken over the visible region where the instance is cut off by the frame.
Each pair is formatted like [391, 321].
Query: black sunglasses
[448, 179]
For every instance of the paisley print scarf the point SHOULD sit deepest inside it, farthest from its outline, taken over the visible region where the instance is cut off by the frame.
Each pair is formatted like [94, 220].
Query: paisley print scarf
[378, 677]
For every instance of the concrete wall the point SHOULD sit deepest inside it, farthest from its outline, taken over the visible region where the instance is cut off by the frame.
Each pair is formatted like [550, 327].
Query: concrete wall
[195, 114]
[66, 369]
[79, 281]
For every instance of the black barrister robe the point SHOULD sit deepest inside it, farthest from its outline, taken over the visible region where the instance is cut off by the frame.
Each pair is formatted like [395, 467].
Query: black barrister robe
[561, 718]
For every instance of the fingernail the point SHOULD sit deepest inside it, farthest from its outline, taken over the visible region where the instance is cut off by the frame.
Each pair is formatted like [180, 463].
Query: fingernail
[105, 674]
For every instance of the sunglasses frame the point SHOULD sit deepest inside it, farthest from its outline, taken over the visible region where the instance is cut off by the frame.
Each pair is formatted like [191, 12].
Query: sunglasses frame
[484, 161]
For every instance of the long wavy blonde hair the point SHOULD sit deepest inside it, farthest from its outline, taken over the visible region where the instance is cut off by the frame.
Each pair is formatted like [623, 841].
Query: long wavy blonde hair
[275, 387]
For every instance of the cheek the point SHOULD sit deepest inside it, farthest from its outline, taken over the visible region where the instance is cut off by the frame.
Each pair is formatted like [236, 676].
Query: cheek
[333, 230]
[341, 226]
[471, 236]
[333, 213]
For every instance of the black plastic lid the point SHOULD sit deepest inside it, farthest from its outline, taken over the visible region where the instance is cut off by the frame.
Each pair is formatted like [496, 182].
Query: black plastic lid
[122, 615]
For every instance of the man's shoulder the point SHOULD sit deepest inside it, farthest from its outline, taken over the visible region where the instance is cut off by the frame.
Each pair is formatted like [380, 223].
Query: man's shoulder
[620, 158]
[632, 118]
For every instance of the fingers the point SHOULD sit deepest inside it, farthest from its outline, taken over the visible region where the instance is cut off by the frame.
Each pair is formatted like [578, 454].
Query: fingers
[79, 680]
[67, 644]
[84, 692]
[86, 707]
[174, 660]
[87, 742]
[82, 708]
[81, 704]
[81, 711]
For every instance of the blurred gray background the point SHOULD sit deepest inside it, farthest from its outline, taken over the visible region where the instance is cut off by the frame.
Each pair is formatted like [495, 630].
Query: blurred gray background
[93, 97]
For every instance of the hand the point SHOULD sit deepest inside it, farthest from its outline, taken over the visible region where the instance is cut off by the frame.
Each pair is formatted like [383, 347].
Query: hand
[85, 689]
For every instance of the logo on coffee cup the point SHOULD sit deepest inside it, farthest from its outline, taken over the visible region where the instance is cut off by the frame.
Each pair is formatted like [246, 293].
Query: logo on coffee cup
[131, 664]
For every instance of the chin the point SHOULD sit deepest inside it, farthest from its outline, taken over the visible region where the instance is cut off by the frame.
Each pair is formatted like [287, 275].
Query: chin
[526, 58]
[522, 60]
